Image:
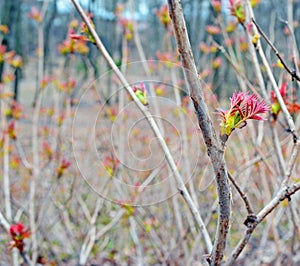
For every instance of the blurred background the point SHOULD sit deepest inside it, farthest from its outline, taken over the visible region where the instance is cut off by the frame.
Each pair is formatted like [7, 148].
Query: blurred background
[23, 36]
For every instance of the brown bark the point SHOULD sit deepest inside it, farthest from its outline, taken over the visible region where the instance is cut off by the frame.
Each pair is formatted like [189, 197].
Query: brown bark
[215, 149]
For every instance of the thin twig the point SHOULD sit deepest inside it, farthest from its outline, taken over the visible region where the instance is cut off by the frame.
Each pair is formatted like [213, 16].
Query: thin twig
[22, 155]
[236, 68]
[278, 150]
[35, 142]
[112, 223]
[282, 194]
[281, 102]
[233, 56]
[84, 208]
[291, 162]
[90, 239]
[145, 64]
[242, 194]
[253, 55]
[293, 73]
[136, 241]
[292, 39]
[35, 176]
[24, 257]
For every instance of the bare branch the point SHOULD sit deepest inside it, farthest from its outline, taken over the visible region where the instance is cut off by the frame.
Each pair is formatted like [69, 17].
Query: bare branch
[214, 148]
[242, 194]
[4, 222]
[293, 73]
[283, 106]
[292, 162]
[282, 194]
[236, 68]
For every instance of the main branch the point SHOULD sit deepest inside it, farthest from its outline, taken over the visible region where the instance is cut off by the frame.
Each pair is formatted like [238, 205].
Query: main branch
[214, 147]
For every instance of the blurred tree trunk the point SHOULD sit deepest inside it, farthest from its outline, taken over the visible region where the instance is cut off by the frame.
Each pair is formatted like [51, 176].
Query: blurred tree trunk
[6, 16]
[47, 35]
[196, 24]
[92, 55]
[17, 17]
[90, 5]
[12, 17]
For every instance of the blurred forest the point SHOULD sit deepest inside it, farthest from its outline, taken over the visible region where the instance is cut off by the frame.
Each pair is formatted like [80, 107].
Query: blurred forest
[23, 37]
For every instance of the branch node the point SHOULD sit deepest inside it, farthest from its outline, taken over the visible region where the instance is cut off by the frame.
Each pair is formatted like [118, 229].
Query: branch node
[250, 220]
[295, 138]
[181, 192]
[294, 75]
[208, 259]
[287, 195]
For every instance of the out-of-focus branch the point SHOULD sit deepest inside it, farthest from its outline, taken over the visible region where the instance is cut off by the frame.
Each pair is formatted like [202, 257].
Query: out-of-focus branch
[141, 53]
[284, 109]
[22, 154]
[291, 162]
[4, 222]
[253, 55]
[136, 241]
[6, 179]
[214, 147]
[242, 194]
[35, 176]
[90, 239]
[112, 223]
[35, 142]
[293, 43]
[6, 168]
[180, 183]
[293, 73]
[278, 151]
[284, 193]
[236, 68]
